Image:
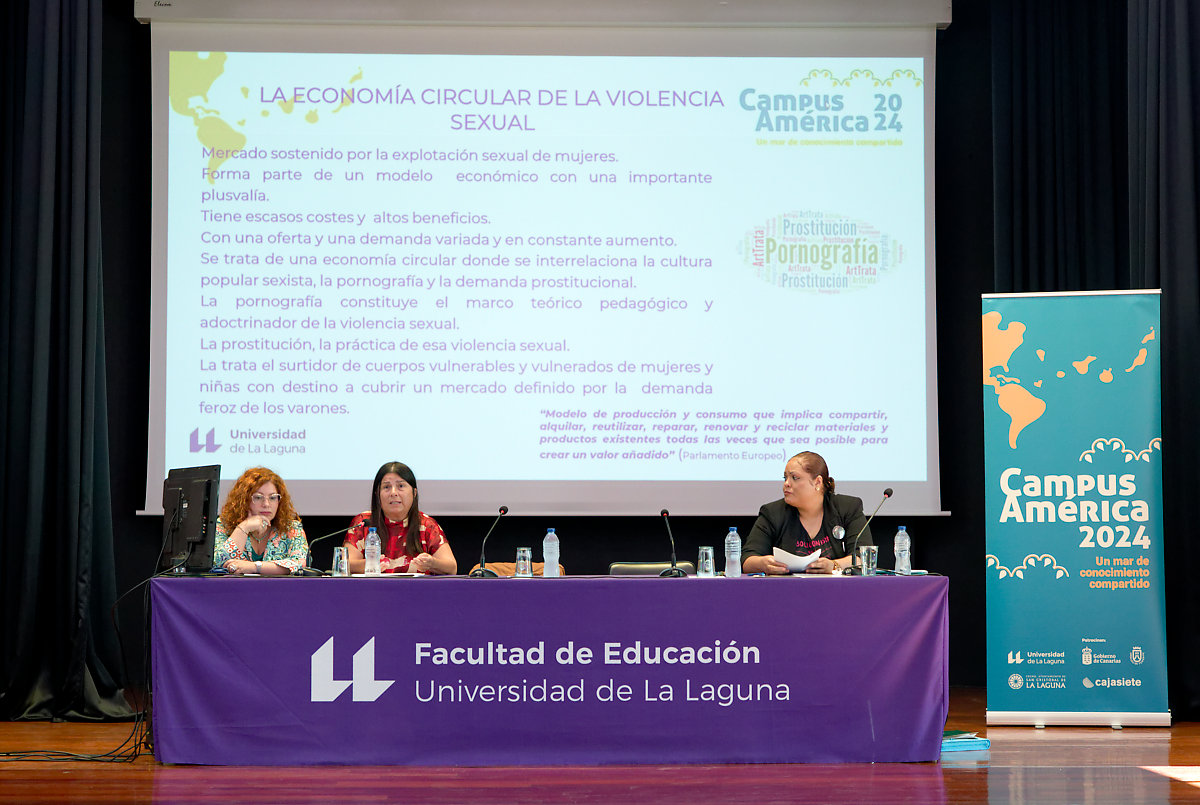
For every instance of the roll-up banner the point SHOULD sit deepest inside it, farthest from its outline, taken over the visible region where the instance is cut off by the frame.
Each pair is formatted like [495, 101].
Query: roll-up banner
[1073, 445]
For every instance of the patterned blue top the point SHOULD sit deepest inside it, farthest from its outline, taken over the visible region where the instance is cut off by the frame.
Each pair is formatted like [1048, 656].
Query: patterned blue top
[288, 549]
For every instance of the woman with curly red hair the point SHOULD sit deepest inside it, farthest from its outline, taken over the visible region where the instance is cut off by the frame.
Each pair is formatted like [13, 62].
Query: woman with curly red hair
[267, 537]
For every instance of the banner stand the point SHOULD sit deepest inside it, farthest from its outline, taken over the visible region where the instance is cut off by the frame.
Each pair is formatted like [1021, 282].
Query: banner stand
[1076, 620]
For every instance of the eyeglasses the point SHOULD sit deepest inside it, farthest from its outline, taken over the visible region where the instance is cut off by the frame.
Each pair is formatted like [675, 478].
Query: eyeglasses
[260, 499]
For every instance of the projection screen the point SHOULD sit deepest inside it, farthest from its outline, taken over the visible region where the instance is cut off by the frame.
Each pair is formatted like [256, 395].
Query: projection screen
[575, 267]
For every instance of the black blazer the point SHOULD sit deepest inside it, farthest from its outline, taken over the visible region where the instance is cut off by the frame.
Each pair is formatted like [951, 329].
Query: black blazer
[778, 526]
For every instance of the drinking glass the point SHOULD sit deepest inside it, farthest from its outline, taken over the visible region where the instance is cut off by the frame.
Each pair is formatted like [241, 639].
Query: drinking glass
[705, 565]
[341, 562]
[524, 563]
[868, 559]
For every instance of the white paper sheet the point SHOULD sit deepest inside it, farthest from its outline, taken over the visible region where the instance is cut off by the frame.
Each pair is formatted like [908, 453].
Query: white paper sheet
[796, 564]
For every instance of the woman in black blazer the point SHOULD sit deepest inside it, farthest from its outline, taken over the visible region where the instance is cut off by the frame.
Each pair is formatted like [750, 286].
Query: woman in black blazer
[803, 521]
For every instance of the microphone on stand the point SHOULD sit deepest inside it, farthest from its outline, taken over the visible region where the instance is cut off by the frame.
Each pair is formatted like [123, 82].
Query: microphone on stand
[672, 571]
[307, 570]
[887, 493]
[482, 572]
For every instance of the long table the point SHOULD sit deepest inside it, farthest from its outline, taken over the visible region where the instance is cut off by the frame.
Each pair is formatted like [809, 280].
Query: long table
[591, 670]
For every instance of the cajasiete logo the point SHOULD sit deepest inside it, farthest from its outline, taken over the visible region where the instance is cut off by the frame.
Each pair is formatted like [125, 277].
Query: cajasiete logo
[1016, 681]
[366, 688]
[1118, 682]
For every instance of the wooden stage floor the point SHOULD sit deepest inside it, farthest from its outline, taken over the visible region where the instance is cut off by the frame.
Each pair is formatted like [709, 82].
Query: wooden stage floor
[1053, 765]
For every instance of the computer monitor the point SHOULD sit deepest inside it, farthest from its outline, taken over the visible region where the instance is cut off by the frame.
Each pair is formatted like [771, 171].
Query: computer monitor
[190, 519]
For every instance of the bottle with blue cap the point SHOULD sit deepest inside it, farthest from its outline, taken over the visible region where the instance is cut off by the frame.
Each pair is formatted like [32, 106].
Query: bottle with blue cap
[733, 553]
[371, 550]
[550, 554]
[903, 548]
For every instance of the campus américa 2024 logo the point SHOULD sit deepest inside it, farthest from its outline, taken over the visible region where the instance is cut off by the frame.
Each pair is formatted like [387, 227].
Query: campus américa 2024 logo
[819, 252]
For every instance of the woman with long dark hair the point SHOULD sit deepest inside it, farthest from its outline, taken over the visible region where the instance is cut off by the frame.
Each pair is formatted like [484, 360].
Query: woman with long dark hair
[410, 540]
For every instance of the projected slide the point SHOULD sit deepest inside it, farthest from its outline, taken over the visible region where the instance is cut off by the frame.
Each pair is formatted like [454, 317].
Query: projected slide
[546, 268]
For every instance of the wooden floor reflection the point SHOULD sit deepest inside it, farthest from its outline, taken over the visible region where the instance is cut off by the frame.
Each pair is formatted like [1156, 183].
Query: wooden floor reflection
[1024, 765]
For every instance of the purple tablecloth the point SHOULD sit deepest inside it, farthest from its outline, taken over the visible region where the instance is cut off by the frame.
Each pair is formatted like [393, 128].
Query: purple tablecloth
[457, 671]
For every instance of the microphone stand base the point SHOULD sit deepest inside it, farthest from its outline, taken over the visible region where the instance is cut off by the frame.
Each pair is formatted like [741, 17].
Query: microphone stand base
[483, 573]
[309, 571]
[672, 573]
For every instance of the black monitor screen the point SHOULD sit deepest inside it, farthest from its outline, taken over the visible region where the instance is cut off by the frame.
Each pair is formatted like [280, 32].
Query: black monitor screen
[190, 518]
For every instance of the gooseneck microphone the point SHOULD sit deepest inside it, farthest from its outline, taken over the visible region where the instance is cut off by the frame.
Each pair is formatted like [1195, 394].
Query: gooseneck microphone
[308, 570]
[887, 493]
[482, 572]
[671, 572]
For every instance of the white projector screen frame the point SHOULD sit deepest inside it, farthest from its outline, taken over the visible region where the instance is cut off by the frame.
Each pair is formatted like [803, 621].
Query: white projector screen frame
[880, 336]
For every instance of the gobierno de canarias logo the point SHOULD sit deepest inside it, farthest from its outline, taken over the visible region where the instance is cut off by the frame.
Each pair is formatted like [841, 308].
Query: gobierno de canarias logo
[819, 252]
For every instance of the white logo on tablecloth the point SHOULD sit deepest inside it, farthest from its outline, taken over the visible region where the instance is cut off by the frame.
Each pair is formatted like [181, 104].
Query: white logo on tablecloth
[1087, 656]
[1014, 657]
[366, 687]
[1016, 681]
[1137, 656]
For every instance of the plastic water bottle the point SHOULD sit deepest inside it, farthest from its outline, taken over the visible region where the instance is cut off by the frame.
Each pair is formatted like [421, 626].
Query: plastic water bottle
[903, 548]
[550, 554]
[371, 552]
[733, 553]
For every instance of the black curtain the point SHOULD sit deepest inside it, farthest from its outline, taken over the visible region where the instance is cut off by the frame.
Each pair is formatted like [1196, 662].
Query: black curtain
[1164, 218]
[1059, 145]
[1096, 109]
[58, 654]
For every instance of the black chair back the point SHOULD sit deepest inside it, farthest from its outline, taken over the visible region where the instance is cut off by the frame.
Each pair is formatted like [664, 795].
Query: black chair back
[647, 568]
